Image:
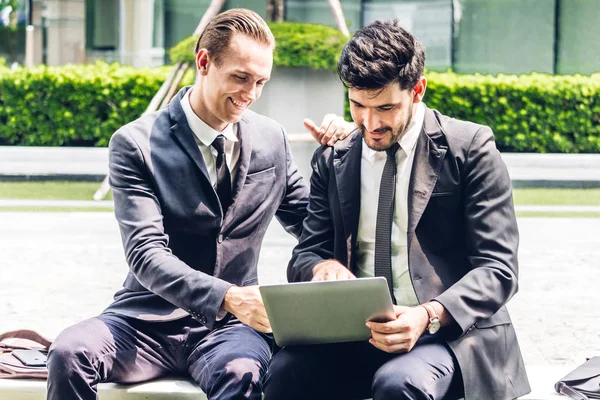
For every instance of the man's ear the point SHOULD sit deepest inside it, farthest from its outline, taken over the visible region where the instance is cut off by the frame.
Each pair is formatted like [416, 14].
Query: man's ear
[202, 61]
[419, 90]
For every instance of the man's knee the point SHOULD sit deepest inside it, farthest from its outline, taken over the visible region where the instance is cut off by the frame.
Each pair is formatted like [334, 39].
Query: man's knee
[235, 375]
[240, 368]
[393, 381]
[69, 355]
[289, 376]
[283, 370]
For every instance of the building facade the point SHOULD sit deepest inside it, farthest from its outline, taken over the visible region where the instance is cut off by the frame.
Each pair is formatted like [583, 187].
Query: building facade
[467, 36]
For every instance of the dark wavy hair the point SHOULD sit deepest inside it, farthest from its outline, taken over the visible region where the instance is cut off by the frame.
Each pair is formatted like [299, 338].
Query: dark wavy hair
[379, 54]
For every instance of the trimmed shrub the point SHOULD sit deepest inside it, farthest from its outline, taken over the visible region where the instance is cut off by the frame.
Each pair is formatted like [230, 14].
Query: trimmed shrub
[537, 113]
[83, 105]
[73, 105]
[298, 45]
[528, 113]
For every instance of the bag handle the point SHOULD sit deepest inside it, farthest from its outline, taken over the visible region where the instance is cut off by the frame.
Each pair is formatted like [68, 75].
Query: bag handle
[28, 335]
[571, 393]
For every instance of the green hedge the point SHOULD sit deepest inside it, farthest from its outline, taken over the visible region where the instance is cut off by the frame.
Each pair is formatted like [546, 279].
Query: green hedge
[83, 105]
[528, 113]
[298, 45]
[74, 105]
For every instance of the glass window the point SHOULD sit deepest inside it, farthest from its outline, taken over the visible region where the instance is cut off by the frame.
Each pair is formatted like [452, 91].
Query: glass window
[12, 31]
[318, 12]
[578, 44]
[181, 18]
[102, 24]
[430, 21]
[509, 36]
[158, 33]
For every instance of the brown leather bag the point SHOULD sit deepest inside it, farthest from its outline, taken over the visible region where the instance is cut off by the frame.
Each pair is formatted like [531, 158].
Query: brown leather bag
[11, 367]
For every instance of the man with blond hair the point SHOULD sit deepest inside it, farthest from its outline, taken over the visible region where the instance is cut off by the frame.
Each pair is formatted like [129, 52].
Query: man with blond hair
[195, 187]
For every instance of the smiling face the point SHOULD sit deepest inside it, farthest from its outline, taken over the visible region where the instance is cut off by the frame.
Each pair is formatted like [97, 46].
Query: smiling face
[384, 115]
[227, 87]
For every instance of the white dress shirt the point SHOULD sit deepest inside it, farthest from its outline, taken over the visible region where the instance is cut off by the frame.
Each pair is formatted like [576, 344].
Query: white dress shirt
[205, 135]
[371, 168]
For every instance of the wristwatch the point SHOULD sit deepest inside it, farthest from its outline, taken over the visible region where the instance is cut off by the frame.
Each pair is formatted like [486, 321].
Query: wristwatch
[434, 320]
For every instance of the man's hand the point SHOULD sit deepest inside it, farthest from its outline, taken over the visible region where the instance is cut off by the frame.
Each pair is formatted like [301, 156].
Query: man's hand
[401, 334]
[331, 270]
[332, 129]
[247, 305]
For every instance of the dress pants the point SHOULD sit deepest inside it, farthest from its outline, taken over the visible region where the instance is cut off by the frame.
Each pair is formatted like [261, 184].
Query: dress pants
[358, 370]
[228, 363]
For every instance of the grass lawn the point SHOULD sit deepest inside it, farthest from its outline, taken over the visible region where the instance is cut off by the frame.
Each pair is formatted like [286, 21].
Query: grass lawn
[85, 191]
[52, 190]
[525, 214]
[562, 197]
[56, 209]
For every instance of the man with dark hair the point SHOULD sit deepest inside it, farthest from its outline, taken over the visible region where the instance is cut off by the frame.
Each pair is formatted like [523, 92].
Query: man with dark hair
[425, 201]
[195, 187]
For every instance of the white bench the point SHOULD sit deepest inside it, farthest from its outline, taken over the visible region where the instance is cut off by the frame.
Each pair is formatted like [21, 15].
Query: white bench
[542, 381]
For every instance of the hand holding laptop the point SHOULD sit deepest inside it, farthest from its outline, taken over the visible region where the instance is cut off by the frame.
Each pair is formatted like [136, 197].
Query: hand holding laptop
[400, 334]
[329, 311]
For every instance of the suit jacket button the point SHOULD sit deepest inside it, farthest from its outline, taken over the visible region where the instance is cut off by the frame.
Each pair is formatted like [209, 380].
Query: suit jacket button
[220, 239]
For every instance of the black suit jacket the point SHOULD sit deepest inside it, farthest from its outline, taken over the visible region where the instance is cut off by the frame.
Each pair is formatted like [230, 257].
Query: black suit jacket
[462, 241]
[183, 253]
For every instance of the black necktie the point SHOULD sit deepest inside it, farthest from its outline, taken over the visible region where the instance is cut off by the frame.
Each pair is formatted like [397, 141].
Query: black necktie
[385, 216]
[223, 176]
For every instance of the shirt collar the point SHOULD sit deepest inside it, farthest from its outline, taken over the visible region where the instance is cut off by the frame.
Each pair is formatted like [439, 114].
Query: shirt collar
[409, 140]
[204, 133]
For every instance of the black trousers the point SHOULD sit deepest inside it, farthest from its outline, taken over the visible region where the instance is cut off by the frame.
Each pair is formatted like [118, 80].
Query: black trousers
[228, 363]
[358, 370]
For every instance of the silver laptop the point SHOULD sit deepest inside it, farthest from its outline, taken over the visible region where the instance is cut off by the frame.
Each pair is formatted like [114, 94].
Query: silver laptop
[326, 312]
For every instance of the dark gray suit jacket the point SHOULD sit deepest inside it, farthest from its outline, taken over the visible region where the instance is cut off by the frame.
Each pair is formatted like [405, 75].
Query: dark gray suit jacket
[462, 241]
[183, 254]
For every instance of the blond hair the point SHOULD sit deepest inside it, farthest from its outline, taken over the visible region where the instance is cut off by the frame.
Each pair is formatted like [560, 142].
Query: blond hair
[216, 36]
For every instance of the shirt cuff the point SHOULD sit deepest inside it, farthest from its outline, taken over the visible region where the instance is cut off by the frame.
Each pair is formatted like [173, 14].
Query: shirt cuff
[221, 314]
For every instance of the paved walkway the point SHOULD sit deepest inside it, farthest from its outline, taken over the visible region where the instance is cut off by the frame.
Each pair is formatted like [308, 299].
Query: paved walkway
[76, 204]
[59, 268]
[81, 163]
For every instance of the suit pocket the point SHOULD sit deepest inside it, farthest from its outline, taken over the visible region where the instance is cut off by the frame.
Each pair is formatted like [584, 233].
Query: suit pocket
[260, 176]
[442, 194]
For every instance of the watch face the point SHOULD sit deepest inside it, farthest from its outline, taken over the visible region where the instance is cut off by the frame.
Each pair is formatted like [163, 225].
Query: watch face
[434, 326]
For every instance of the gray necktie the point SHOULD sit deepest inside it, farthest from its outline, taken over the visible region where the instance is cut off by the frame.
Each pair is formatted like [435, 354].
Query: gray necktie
[223, 176]
[385, 215]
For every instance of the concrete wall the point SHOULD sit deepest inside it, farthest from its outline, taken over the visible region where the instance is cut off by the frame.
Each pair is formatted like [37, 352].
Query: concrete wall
[293, 94]
[137, 28]
[303, 150]
[65, 21]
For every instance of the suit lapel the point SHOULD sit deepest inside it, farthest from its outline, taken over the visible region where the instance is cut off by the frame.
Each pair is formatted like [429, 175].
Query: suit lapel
[346, 164]
[245, 137]
[183, 134]
[429, 158]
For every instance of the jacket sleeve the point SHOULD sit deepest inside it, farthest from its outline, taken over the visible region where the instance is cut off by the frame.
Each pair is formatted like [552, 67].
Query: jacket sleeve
[145, 242]
[292, 210]
[491, 237]
[317, 241]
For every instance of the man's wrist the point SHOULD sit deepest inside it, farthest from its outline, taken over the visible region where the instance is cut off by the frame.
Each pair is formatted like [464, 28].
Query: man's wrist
[227, 303]
[440, 311]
